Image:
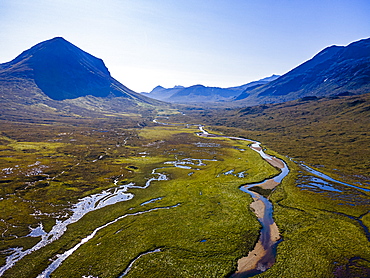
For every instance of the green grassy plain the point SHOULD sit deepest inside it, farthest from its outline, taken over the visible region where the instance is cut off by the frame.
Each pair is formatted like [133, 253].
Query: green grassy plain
[319, 239]
[47, 166]
[332, 132]
[203, 236]
[322, 235]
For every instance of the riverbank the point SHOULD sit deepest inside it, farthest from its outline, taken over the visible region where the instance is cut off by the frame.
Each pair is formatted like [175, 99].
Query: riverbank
[262, 257]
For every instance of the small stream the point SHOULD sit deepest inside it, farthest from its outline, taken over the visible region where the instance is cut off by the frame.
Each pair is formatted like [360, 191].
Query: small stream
[127, 270]
[61, 257]
[183, 163]
[91, 203]
[262, 257]
[258, 260]
[84, 206]
[327, 178]
[264, 253]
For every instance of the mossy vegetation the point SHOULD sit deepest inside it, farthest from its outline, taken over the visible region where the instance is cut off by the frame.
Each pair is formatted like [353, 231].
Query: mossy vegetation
[331, 132]
[319, 236]
[325, 233]
[198, 217]
[204, 235]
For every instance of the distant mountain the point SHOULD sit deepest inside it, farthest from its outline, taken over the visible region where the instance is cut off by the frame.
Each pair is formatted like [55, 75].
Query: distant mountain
[56, 70]
[334, 70]
[162, 93]
[201, 93]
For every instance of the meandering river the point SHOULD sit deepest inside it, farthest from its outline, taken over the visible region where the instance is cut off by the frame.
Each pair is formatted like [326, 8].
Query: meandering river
[257, 261]
[263, 255]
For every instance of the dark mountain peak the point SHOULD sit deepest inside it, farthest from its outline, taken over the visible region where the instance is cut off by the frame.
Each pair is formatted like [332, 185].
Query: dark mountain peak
[157, 89]
[54, 48]
[358, 48]
[54, 41]
[61, 70]
[56, 78]
[58, 39]
[197, 86]
[332, 54]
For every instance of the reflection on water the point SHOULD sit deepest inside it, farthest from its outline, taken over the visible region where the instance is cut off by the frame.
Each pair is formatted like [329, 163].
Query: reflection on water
[38, 231]
[335, 190]
[317, 184]
[267, 239]
[326, 177]
[188, 163]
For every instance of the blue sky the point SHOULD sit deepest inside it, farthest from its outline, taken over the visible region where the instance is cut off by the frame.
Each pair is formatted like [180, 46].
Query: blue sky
[186, 42]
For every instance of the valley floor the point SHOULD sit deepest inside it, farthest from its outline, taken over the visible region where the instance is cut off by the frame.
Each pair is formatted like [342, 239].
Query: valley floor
[162, 201]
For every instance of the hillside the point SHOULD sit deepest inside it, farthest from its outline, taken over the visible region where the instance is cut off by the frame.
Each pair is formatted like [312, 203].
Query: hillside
[336, 69]
[56, 77]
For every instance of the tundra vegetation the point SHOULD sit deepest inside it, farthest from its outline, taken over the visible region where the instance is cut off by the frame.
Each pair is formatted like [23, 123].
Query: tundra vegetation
[48, 168]
[325, 233]
[197, 217]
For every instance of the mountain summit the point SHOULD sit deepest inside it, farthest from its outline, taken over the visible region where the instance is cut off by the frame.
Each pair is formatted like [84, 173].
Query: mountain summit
[63, 71]
[56, 77]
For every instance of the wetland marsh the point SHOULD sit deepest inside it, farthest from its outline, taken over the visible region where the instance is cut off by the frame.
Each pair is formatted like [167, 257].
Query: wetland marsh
[165, 201]
[207, 228]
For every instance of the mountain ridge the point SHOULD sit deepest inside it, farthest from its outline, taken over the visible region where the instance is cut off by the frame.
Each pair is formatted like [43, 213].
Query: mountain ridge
[335, 69]
[201, 93]
[61, 70]
[58, 70]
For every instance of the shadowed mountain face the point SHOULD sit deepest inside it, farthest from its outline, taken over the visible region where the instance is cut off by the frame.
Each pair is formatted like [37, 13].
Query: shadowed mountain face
[336, 69]
[64, 71]
[55, 78]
